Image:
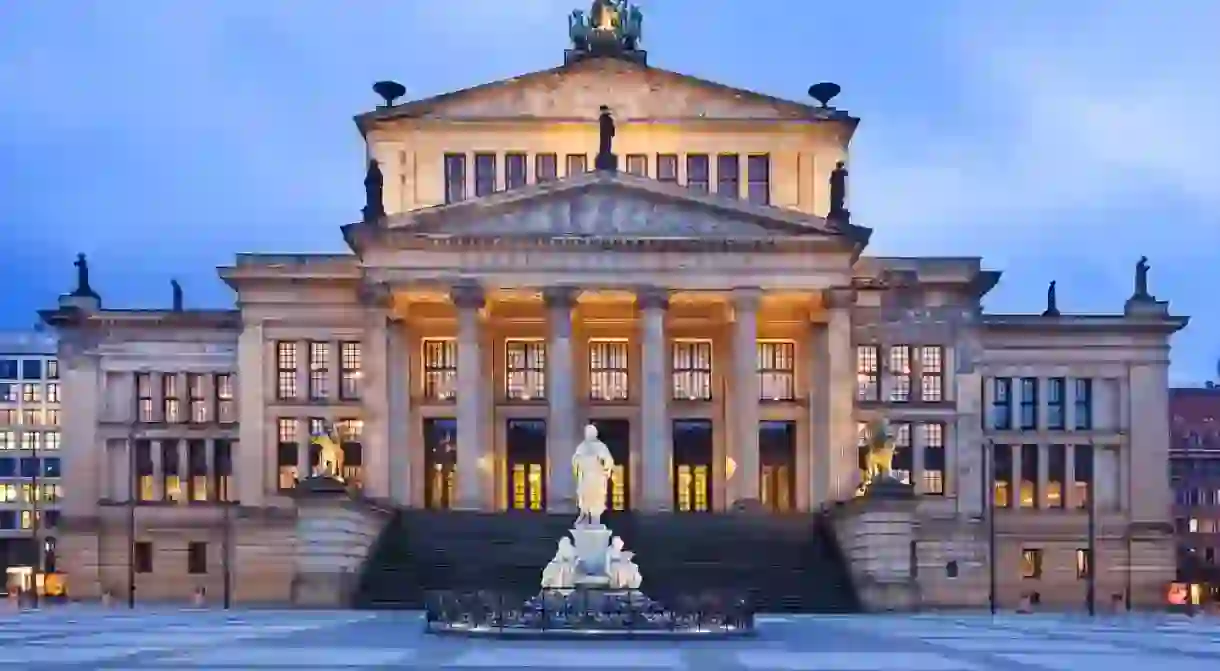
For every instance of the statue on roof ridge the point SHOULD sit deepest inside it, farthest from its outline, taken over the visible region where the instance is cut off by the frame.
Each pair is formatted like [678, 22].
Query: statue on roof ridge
[611, 27]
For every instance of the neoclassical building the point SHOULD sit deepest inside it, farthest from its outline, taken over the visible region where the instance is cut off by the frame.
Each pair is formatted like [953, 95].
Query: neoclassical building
[706, 301]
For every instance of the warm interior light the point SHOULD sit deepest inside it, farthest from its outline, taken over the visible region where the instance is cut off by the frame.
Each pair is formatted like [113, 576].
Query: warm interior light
[730, 467]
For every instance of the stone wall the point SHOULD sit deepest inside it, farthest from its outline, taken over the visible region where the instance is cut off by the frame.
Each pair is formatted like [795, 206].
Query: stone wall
[875, 536]
[334, 537]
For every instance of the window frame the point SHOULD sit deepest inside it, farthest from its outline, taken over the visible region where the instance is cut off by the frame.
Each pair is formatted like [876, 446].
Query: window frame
[900, 356]
[544, 172]
[609, 376]
[516, 162]
[485, 173]
[287, 360]
[351, 370]
[770, 355]
[439, 364]
[665, 161]
[868, 372]
[454, 173]
[691, 362]
[758, 188]
[728, 176]
[699, 184]
[527, 381]
[931, 373]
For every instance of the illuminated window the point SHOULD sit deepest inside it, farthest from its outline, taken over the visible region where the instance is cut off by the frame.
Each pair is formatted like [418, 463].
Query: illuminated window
[637, 164]
[29, 440]
[524, 370]
[31, 392]
[697, 169]
[8, 493]
[484, 175]
[9, 393]
[351, 435]
[692, 370]
[455, 178]
[776, 362]
[197, 470]
[440, 369]
[144, 471]
[868, 373]
[728, 175]
[50, 440]
[1029, 476]
[931, 373]
[8, 439]
[608, 370]
[577, 164]
[1056, 472]
[1084, 564]
[667, 168]
[53, 392]
[171, 470]
[199, 401]
[288, 450]
[1031, 563]
[8, 416]
[902, 463]
[900, 373]
[933, 440]
[169, 396]
[226, 410]
[31, 417]
[319, 371]
[862, 450]
[144, 397]
[758, 174]
[349, 371]
[1002, 464]
[52, 369]
[286, 370]
[1083, 458]
[225, 490]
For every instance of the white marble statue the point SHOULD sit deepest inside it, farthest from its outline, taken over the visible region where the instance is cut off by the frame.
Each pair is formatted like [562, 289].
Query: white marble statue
[624, 573]
[560, 573]
[593, 465]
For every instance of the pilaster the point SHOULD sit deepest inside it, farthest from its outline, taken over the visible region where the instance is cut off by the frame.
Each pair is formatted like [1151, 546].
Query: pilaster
[375, 392]
[401, 438]
[252, 453]
[842, 454]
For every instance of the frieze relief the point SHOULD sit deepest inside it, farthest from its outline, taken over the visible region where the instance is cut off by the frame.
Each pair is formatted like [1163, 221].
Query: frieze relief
[631, 91]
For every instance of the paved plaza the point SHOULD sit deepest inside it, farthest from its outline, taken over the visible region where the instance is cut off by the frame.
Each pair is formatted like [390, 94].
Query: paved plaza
[85, 638]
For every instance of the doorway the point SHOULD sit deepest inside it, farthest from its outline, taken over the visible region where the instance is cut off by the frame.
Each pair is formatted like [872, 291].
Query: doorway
[616, 434]
[692, 465]
[777, 465]
[440, 462]
[525, 443]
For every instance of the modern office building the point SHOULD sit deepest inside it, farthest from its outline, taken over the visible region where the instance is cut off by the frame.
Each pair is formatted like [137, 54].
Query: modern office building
[30, 442]
[703, 297]
[1194, 470]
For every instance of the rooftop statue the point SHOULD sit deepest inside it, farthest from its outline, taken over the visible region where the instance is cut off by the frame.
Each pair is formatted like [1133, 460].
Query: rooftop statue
[83, 288]
[1141, 279]
[611, 27]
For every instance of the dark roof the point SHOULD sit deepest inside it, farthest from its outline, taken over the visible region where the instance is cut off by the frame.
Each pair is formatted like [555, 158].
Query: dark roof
[1194, 416]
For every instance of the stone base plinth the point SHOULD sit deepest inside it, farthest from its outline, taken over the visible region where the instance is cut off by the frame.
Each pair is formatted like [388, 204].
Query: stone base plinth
[591, 545]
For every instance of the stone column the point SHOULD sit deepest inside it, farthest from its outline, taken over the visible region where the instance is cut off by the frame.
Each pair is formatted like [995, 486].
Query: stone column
[209, 470]
[819, 400]
[469, 299]
[1044, 454]
[156, 448]
[653, 302]
[561, 434]
[304, 443]
[1018, 473]
[398, 365]
[918, 445]
[1070, 500]
[743, 486]
[375, 393]
[250, 460]
[842, 458]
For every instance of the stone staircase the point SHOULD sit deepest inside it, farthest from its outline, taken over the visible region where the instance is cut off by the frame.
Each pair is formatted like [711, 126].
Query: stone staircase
[786, 563]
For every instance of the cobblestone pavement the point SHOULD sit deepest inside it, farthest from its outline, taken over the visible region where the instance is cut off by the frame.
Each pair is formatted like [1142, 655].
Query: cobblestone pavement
[86, 638]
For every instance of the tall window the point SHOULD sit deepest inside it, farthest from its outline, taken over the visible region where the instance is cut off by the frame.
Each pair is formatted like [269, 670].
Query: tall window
[1029, 403]
[932, 373]
[1029, 476]
[484, 175]
[351, 433]
[52, 369]
[51, 440]
[144, 470]
[197, 470]
[514, 171]
[1083, 466]
[1056, 391]
[900, 373]
[577, 164]
[440, 369]
[637, 164]
[667, 168]
[1056, 473]
[224, 472]
[524, 370]
[697, 178]
[170, 401]
[758, 174]
[546, 167]
[902, 463]
[933, 439]
[31, 392]
[608, 370]
[319, 371]
[199, 401]
[1001, 404]
[692, 370]
[1031, 563]
[1002, 463]
[868, 373]
[171, 470]
[349, 371]
[1084, 404]
[287, 451]
[455, 178]
[226, 410]
[52, 392]
[776, 362]
[197, 558]
[144, 397]
[728, 175]
[285, 370]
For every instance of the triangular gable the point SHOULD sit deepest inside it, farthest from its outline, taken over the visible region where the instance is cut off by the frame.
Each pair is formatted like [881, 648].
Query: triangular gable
[612, 204]
[632, 90]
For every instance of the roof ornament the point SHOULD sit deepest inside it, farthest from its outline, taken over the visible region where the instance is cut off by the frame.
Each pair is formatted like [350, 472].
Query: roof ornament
[374, 184]
[611, 28]
[1052, 301]
[83, 288]
[1141, 281]
[389, 91]
[177, 295]
[824, 92]
[838, 194]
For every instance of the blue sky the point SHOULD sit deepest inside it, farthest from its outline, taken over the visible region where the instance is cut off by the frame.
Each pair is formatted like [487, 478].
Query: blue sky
[1058, 140]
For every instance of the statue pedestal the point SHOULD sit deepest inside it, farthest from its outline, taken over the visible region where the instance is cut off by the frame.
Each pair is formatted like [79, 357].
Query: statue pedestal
[591, 545]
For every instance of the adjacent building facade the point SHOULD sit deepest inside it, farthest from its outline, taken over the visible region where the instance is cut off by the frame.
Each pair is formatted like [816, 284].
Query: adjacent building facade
[30, 463]
[709, 305]
[1194, 470]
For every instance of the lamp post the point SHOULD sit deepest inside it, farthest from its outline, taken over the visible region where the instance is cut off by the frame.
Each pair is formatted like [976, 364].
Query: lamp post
[987, 492]
[1091, 507]
[35, 527]
[132, 491]
[227, 549]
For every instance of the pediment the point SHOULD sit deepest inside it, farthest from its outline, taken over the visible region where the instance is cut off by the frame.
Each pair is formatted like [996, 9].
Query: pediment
[616, 205]
[632, 90]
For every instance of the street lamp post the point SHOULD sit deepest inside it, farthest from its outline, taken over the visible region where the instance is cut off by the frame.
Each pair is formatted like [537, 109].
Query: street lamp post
[1091, 589]
[227, 549]
[35, 526]
[987, 492]
[132, 491]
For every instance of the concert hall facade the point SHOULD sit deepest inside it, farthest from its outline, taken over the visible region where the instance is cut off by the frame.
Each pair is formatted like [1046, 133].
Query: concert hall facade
[707, 302]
